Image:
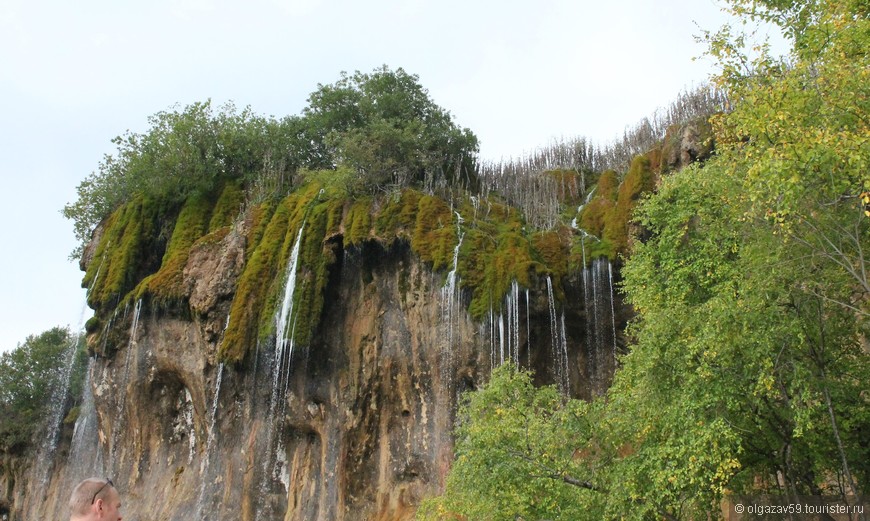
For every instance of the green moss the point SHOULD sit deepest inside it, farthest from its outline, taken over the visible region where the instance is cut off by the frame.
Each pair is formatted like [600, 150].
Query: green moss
[552, 250]
[638, 181]
[165, 288]
[397, 216]
[227, 207]
[607, 215]
[316, 256]
[434, 235]
[359, 222]
[259, 274]
[494, 253]
[257, 294]
[93, 325]
[129, 249]
[258, 220]
[72, 416]
[593, 215]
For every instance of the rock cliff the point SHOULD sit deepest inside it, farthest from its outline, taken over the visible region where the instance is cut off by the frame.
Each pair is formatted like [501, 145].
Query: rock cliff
[354, 424]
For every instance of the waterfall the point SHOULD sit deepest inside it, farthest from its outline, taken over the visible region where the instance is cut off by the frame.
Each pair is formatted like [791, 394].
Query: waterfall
[504, 329]
[612, 310]
[282, 338]
[273, 463]
[564, 377]
[501, 338]
[528, 331]
[558, 342]
[450, 303]
[84, 453]
[118, 424]
[207, 480]
[600, 322]
[580, 209]
[56, 407]
[492, 364]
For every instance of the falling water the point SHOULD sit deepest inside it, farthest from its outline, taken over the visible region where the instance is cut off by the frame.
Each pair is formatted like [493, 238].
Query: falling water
[83, 458]
[504, 330]
[59, 392]
[564, 377]
[207, 480]
[122, 394]
[501, 338]
[580, 208]
[450, 295]
[528, 331]
[84, 453]
[282, 338]
[612, 309]
[558, 341]
[600, 322]
[273, 466]
[492, 363]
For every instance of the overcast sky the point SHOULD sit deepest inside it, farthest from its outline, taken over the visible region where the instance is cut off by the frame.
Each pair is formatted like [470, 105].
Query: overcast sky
[518, 73]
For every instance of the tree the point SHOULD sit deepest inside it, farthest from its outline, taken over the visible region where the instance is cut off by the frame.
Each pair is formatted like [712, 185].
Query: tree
[382, 125]
[385, 126]
[29, 375]
[515, 456]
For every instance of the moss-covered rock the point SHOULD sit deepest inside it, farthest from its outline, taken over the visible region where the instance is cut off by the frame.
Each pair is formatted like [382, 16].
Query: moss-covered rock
[130, 248]
[164, 288]
[637, 181]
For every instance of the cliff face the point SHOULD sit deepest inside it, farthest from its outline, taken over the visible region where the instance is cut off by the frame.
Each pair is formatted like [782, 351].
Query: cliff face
[355, 425]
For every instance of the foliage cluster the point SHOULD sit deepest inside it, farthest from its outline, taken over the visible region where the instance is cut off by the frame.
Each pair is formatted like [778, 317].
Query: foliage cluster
[382, 126]
[30, 376]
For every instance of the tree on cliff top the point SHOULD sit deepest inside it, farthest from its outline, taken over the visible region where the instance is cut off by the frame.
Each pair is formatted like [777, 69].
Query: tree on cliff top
[383, 125]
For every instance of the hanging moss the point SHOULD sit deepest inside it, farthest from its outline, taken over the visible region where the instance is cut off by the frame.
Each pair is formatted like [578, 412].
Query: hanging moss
[316, 256]
[494, 253]
[130, 249]
[258, 220]
[552, 250]
[638, 181]
[397, 216]
[260, 282]
[260, 271]
[359, 222]
[434, 235]
[227, 207]
[165, 288]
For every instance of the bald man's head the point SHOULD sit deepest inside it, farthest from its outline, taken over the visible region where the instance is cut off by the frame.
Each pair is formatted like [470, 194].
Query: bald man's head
[94, 498]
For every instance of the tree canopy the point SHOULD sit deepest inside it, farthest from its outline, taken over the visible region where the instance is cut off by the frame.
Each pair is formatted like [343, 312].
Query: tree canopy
[383, 126]
[29, 376]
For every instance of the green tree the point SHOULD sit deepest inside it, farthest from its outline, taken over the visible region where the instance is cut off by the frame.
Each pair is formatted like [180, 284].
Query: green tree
[515, 456]
[185, 153]
[383, 126]
[386, 127]
[29, 375]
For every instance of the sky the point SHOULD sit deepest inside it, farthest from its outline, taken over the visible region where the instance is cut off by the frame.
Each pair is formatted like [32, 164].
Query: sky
[520, 74]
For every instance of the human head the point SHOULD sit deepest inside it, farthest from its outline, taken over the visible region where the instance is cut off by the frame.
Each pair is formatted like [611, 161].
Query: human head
[95, 499]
